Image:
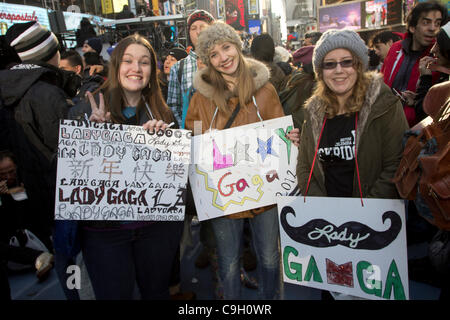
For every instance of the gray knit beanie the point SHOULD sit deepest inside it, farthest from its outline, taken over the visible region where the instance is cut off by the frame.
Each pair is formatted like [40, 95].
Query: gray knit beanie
[218, 32]
[335, 39]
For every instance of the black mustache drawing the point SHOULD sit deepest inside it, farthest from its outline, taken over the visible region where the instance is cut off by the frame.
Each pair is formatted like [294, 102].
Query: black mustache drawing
[355, 235]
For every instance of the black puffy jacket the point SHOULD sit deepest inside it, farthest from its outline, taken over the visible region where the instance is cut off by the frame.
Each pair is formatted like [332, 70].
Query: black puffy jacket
[33, 104]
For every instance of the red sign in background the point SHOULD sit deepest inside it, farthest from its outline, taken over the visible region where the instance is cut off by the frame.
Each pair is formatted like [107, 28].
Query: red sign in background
[235, 13]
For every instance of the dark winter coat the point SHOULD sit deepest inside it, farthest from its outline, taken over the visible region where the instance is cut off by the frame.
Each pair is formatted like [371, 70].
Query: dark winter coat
[381, 125]
[33, 105]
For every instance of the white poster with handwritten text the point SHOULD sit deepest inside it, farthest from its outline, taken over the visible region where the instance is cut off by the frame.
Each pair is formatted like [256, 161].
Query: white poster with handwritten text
[120, 172]
[242, 168]
[336, 244]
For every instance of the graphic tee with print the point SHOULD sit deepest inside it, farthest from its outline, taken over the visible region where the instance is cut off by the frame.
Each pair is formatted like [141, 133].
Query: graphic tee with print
[337, 155]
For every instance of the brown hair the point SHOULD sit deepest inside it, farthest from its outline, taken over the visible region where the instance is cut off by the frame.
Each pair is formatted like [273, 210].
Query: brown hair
[355, 102]
[245, 86]
[112, 89]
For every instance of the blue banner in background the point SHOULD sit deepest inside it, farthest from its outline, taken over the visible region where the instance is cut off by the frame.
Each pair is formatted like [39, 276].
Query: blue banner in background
[254, 26]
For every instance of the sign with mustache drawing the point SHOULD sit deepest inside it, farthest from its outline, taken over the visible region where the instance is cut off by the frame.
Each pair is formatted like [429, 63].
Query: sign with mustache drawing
[336, 244]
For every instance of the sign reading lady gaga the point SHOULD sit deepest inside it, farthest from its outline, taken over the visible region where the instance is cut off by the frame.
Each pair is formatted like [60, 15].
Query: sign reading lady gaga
[336, 244]
[242, 168]
[119, 172]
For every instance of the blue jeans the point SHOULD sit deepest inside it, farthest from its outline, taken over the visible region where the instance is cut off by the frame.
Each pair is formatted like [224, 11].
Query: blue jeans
[117, 259]
[265, 235]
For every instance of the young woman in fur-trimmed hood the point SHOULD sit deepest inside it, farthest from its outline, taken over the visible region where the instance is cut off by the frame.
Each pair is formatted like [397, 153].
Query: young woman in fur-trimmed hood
[354, 125]
[229, 80]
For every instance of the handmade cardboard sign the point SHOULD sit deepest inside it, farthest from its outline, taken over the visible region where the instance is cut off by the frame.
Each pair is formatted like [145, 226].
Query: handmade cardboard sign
[119, 172]
[338, 245]
[242, 168]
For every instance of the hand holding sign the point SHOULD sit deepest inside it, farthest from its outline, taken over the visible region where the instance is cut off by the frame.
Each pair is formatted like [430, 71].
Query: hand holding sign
[98, 112]
[294, 136]
[155, 125]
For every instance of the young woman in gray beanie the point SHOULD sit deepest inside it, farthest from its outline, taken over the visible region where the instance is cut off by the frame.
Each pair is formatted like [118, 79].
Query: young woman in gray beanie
[351, 140]
[229, 80]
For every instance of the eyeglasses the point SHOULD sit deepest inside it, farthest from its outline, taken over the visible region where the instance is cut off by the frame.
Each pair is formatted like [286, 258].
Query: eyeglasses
[333, 64]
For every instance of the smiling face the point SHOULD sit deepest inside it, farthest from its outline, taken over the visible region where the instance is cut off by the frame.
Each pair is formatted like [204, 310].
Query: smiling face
[340, 80]
[224, 57]
[424, 33]
[135, 69]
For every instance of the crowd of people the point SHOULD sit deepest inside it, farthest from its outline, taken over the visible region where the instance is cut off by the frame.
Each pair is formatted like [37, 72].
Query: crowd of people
[327, 85]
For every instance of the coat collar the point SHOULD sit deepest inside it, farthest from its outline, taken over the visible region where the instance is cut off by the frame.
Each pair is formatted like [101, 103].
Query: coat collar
[261, 75]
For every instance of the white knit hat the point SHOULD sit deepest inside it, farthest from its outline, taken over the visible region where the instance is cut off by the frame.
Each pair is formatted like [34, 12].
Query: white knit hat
[335, 39]
[281, 55]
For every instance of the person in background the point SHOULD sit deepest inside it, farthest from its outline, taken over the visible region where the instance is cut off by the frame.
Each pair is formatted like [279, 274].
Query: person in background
[35, 92]
[92, 45]
[438, 61]
[302, 58]
[94, 64]
[93, 48]
[263, 49]
[229, 80]
[173, 56]
[433, 102]
[300, 86]
[196, 22]
[311, 38]
[72, 61]
[119, 254]
[179, 89]
[283, 59]
[125, 13]
[32, 92]
[17, 215]
[86, 31]
[401, 73]
[374, 61]
[349, 104]
[401, 64]
[382, 42]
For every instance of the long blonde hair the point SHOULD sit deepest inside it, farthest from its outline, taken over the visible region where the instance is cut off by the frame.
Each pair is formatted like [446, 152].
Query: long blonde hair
[245, 85]
[114, 96]
[356, 100]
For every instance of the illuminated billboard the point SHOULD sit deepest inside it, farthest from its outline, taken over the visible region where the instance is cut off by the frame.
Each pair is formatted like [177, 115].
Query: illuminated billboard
[339, 17]
[376, 13]
[16, 13]
[235, 14]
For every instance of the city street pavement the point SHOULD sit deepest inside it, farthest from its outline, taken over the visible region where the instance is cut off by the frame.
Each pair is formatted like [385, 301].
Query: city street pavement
[25, 286]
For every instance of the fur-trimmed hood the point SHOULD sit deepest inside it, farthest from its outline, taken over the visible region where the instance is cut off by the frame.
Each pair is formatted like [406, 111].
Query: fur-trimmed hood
[376, 90]
[260, 71]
